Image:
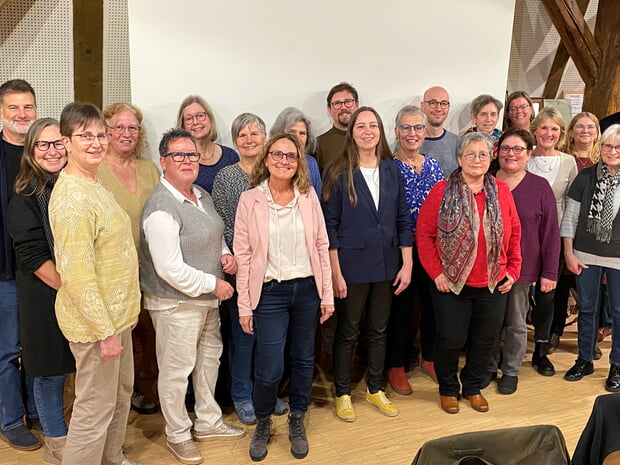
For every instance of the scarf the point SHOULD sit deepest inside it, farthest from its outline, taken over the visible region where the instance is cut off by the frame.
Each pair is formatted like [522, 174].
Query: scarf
[43, 201]
[458, 227]
[601, 214]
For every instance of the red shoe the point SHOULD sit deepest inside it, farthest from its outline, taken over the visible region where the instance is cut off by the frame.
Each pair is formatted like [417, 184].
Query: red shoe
[398, 381]
[428, 368]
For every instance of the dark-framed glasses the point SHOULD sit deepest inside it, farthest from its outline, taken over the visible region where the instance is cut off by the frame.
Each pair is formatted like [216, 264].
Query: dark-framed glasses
[181, 156]
[610, 147]
[337, 104]
[518, 108]
[120, 129]
[417, 128]
[482, 156]
[44, 145]
[200, 117]
[433, 103]
[89, 138]
[506, 149]
[278, 155]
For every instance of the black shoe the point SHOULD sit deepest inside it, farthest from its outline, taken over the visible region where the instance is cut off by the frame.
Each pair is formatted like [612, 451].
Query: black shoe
[297, 435]
[508, 384]
[613, 380]
[580, 369]
[21, 438]
[260, 439]
[142, 405]
[554, 343]
[488, 377]
[598, 354]
[540, 361]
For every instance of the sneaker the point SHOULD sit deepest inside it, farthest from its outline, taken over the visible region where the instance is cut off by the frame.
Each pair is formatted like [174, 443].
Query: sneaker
[344, 408]
[260, 439]
[20, 438]
[281, 407]
[185, 452]
[508, 384]
[126, 461]
[398, 380]
[297, 435]
[580, 369]
[141, 404]
[223, 431]
[245, 412]
[379, 400]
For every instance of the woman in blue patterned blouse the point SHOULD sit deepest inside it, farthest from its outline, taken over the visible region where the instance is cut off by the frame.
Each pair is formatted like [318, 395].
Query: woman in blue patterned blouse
[419, 173]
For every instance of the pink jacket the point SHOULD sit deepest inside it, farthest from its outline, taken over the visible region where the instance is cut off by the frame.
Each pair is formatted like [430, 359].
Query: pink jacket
[251, 240]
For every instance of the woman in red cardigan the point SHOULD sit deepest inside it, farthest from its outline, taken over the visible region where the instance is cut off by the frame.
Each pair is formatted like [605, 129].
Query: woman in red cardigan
[468, 238]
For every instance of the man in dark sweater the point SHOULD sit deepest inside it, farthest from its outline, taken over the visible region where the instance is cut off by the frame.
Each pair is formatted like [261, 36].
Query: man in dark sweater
[18, 110]
[342, 101]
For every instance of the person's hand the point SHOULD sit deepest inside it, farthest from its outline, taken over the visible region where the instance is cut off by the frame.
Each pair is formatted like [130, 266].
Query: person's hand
[247, 324]
[442, 283]
[110, 347]
[223, 290]
[507, 284]
[573, 264]
[326, 312]
[229, 264]
[402, 280]
[546, 285]
[340, 286]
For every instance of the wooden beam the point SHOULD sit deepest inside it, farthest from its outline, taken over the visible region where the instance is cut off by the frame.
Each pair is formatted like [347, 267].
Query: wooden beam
[3, 2]
[88, 51]
[576, 37]
[560, 60]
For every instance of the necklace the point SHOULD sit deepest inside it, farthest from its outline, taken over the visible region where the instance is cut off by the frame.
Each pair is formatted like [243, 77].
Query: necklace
[544, 163]
[412, 164]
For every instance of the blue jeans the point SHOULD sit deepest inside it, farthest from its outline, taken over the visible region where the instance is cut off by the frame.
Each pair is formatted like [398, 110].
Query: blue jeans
[589, 286]
[286, 309]
[241, 355]
[11, 395]
[48, 396]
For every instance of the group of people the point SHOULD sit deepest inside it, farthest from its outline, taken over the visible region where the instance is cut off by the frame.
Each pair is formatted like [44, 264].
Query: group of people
[100, 253]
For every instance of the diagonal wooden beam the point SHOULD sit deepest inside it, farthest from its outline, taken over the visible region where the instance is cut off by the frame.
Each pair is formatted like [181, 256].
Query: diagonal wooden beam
[3, 2]
[576, 37]
[559, 62]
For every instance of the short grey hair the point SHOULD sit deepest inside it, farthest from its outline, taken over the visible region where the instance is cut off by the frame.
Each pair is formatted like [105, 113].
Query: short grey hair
[170, 136]
[470, 137]
[243, 120]
[288, 118]
[409, 110]
[612, 132]
[476, 104]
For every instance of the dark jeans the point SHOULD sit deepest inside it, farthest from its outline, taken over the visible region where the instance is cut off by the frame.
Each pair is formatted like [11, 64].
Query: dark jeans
[477, 314]
[48, 395]
[287, 308]
[542, 313]
[372, 300]
[241, 354]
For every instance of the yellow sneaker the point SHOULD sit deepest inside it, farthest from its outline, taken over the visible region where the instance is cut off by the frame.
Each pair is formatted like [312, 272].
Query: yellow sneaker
[344, 408]
[379, 400]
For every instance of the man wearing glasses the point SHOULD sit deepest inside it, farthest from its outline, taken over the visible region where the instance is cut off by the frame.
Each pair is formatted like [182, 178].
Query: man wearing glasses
[18, 110]
[342, 101]
[440, 143]
[183, 259]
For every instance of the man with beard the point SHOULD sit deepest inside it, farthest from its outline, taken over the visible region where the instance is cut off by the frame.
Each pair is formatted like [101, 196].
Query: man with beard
[440, 143]
[18, 110]
[342, 101]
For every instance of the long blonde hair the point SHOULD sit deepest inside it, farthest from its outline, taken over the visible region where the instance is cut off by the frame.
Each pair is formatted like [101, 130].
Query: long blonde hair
[594, 154]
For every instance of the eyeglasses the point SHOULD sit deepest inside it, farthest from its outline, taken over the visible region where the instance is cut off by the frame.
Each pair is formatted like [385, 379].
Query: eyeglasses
[337, 104]
[482, 156]
[433, 103]
[120, 129]
[200, 117]
[610, 147]
[519, 108]
[517, 149]
[418, 128]
[44, 145]
[589, 127]
[278, 155]
[181, 156]
[88, 138]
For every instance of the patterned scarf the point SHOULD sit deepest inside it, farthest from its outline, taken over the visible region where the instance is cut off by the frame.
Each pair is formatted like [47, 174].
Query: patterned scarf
[601, 214]
[458, 227]
[43, 201]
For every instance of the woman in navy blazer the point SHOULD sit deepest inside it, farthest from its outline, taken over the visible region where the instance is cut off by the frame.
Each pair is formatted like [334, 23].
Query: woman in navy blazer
[370, 242]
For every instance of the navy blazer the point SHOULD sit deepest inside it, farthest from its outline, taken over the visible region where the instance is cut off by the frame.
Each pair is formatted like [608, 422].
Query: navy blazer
[367, 239]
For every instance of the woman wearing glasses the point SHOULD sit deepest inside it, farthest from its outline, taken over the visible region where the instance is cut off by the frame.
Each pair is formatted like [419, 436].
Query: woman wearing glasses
[284, 283]
[591, 234]
[468, 237]
[519, 111]
[44, 350]
[195, 115]
[540, 251]
[131, 178]
[99, 298]
[419, 173]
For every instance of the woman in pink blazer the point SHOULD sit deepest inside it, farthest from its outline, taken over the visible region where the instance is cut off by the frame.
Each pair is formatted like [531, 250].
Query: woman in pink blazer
[284, 282]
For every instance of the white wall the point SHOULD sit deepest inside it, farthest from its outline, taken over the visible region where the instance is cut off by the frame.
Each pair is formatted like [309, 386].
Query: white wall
[264, 56]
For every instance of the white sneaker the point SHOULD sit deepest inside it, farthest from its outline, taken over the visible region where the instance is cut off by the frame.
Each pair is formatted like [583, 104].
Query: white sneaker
[185, 452]
[223, 431]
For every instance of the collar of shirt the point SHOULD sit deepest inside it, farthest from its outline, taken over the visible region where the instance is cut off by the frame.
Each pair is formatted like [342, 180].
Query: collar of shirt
[177, 195]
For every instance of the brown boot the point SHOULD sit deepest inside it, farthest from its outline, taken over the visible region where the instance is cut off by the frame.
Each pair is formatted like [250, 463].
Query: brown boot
[53, 450]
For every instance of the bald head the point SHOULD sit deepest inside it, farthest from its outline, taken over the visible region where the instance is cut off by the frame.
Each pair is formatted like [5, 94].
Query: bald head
[436, 105]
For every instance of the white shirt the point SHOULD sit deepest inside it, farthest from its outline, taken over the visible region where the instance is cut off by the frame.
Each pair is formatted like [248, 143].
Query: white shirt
[371, 176]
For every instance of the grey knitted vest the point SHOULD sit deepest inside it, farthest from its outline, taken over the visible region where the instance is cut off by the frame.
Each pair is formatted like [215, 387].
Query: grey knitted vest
[200, 238]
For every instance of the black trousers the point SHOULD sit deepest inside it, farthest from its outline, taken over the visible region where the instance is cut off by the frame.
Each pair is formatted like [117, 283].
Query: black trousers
[372, 301]
[477, 314]
[543, 313]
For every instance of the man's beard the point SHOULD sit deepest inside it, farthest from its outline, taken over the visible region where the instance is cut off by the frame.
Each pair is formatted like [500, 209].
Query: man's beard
[11, 126]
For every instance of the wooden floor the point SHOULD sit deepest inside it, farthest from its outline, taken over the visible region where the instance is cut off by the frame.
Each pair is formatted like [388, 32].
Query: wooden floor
[375, 439]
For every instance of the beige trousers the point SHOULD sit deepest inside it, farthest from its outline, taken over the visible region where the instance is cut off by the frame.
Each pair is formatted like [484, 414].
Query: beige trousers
[102, 398]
